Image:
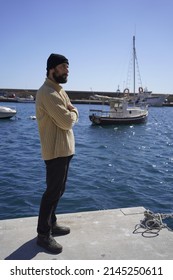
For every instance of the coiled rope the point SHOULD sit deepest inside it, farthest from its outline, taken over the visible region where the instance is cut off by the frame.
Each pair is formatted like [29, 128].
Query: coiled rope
[152, 223]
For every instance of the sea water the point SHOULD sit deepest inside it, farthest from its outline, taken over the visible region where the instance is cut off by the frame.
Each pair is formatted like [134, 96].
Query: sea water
[113, 167]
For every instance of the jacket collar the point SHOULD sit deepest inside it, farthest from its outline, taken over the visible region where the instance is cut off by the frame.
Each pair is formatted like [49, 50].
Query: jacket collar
[52, 84]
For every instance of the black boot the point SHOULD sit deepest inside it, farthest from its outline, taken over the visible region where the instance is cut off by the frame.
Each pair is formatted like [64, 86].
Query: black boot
[49, 243]
[59, 230]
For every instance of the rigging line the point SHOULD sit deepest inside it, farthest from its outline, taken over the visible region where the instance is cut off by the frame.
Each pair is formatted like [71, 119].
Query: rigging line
[130, 69]
[138, 71]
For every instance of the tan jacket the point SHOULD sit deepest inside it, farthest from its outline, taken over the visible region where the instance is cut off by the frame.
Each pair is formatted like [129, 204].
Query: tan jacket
[55, 121]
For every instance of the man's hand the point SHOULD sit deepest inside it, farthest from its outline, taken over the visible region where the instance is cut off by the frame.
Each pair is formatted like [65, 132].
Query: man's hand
[70, 107]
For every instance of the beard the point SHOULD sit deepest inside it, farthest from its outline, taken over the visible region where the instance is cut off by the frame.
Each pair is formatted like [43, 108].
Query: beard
[60, 79]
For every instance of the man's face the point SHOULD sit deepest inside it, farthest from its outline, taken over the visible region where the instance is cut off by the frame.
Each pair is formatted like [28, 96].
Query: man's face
[60, 73]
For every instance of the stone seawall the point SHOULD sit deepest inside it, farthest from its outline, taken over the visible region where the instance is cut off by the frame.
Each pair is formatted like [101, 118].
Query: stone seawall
[73, 95]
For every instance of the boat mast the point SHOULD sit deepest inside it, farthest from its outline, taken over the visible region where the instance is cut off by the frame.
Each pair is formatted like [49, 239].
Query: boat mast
[134, 58]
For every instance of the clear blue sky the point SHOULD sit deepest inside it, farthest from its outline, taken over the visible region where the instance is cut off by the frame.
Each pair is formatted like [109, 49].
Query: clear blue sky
[96, 37]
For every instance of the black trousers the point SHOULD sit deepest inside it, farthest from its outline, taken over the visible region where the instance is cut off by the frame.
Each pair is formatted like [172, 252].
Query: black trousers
[56, 177]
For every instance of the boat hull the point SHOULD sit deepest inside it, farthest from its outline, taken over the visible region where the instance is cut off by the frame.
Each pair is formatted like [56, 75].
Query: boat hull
[97, 120]
[7, 113]
[155, 101]
[7, 116]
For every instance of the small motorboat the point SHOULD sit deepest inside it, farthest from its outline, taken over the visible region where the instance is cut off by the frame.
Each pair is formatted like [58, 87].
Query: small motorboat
[7, 112]
[120, 112]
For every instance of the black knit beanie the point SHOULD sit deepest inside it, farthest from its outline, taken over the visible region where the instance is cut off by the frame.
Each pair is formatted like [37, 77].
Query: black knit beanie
[55, 59]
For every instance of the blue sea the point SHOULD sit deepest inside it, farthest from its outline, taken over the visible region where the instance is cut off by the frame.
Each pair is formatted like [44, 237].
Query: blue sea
[114, 167]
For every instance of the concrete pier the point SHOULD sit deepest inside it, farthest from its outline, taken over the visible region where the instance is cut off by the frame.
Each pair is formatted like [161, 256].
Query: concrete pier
[95, 235]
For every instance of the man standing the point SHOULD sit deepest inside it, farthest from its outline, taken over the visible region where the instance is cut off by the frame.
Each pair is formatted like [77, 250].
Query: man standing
[56, 117]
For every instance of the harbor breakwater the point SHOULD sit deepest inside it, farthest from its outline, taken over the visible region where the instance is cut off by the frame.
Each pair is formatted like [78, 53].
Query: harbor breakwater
[8, 94]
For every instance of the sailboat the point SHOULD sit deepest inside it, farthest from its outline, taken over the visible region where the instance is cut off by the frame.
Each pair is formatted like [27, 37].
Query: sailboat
[120, 111]
[143, 95]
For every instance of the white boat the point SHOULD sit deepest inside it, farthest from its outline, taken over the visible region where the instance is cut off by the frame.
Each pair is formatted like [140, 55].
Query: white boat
[155, 101]
[152, 100]
[6, 112]
[29, 99]
[119, 112]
